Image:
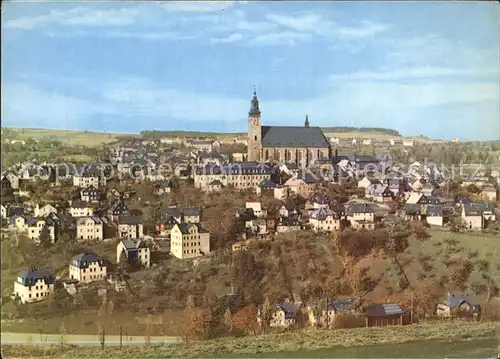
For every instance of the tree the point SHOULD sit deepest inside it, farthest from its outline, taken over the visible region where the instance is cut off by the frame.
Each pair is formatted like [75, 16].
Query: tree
[266, 313]
[197, 322]
[228, 320]
[245, 320]
[45, 240]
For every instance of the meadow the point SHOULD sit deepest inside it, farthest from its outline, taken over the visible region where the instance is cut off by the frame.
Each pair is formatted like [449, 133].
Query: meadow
[432, 340]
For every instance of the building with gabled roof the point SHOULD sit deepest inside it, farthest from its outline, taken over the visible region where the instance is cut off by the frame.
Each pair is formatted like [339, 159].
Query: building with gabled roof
[189, 240]
[291, 144]
[33, 285]
[87, 267]
[136, 251]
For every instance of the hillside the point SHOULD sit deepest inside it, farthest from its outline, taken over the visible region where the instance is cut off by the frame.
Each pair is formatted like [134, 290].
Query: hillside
[92, 139]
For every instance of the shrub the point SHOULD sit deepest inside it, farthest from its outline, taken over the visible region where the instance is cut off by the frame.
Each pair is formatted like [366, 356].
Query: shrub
[347, 320]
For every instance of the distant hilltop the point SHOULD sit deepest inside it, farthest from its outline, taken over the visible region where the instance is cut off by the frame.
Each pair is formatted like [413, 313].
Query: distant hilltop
[339, 129]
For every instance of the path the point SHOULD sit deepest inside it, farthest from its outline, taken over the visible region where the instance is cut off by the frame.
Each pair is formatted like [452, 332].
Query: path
[80, 339]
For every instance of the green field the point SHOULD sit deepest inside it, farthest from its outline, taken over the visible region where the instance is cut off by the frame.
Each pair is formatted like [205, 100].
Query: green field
[450, 339]
[67, 137]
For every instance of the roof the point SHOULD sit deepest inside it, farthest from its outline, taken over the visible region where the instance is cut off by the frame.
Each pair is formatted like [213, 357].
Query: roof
[132, 245]
[306, 176]
[322, 213]
[477, 209]
[130, 220]
[184, 227]
[30, 276]
[80, 204]
[320, 199]
[359, 208]
[90, 189]
[385, 310]
[456, 299]
[191, 212]
[95, 219]
[340, 305]
[84, 259]
[289, 308]
[434, 211]
[293, 136]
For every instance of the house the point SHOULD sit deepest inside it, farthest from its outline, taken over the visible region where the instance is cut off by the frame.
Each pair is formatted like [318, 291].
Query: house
[477, 216]
[90, 194]
[87, 267]
[86, 180]
[256, 209]
[191, 215]
[35, 226]
[361, 216]
[241, 175]
[381, 315]
[9, 180]
[269, 187]
[379, 193]
[458, 302]
[325, 317]
[162, 187]
[89, 228]
[434, 215]
[324, 220]
[135, 251]
[43, 211]
[164, 226]
[130, 227]
[320, 201]
[8, 210]
[302, 184]
[366, 181]
[215, 186]
[288, 210]
[288, 224]
[117, 208]
[283, 315]
[81, 209]
[189, 240]
[33, 285]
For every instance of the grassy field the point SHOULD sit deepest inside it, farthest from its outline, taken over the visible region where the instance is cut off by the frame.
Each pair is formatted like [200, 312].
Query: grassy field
[83, 138]
[455, 339]
[486, 246]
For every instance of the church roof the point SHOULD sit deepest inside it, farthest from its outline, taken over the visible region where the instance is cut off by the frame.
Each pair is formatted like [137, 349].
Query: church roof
[293, 136]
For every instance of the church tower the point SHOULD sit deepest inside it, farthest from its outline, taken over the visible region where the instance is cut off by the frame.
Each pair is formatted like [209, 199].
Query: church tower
[254, 130]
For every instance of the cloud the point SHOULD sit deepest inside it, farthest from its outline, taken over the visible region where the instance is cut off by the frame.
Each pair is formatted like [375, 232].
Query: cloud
[316, 24]
[365, 28]
[198, 6]
[285, 38]
[80, 16]
[423, 72]
[229, 39]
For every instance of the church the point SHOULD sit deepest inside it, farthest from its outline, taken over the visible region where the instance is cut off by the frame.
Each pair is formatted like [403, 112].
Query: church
[289, 144]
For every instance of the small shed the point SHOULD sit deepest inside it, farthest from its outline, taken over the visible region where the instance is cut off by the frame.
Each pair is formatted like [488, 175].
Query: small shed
[381, 315]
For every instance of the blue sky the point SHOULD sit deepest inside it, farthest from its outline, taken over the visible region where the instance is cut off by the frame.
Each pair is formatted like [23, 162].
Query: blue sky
[420, 68]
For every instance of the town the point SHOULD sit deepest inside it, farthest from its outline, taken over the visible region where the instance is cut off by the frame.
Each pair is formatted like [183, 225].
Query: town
[286, 234]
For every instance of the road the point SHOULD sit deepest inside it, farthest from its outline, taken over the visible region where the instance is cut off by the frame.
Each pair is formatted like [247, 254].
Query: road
[79, 339]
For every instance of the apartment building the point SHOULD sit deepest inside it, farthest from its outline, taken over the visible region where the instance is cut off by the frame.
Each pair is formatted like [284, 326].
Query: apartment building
[81, 209]
[33, 285]
[136, 252]
[91, 227]
[241, 176]
[189, 240]
[87, 267]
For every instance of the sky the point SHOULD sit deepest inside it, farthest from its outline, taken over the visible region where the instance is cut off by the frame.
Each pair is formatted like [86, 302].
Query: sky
[416, 67]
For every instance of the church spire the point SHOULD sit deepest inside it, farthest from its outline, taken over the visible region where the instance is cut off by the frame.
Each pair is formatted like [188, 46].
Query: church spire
[307, 121]
[254, 105]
